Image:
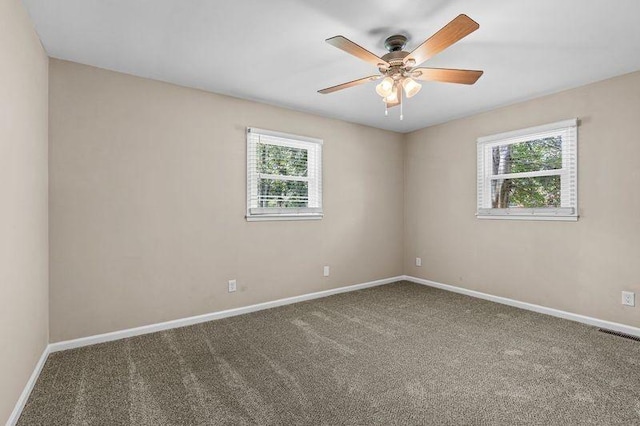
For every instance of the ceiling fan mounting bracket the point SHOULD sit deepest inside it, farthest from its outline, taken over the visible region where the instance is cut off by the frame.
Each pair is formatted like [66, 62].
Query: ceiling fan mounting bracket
[395, 43]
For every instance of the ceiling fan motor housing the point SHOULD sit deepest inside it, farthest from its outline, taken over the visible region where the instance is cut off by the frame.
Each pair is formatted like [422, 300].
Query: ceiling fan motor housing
[395, 57]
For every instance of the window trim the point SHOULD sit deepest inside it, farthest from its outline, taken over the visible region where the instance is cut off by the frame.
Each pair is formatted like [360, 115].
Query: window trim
[568, 174]
[274, 213]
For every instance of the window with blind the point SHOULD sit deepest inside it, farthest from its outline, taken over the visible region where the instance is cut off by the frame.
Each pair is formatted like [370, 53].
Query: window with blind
[529, 174]
[284, 176]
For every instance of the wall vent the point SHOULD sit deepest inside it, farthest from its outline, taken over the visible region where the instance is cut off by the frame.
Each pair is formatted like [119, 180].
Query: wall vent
[617, 333]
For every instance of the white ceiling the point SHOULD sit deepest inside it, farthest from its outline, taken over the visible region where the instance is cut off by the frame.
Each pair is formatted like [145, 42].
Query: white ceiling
[274, 51]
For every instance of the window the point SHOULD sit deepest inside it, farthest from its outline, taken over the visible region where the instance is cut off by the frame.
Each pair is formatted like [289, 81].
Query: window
[529, 174]
[284, 176]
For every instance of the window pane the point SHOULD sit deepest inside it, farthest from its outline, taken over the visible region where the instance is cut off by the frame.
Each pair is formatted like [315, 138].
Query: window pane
[543, 191]
[282, 160]
[282, 193]
[530, 156]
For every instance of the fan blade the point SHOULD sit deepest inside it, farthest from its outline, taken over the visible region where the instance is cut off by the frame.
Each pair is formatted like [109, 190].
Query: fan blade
[446, 75]
[398, 97]
[350, 47]
[348, 84]
[454, 31]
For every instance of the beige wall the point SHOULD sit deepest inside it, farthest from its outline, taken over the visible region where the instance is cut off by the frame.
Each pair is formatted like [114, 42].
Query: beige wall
[148, 198]
[23, 207]
[579, 267]
[148, 201]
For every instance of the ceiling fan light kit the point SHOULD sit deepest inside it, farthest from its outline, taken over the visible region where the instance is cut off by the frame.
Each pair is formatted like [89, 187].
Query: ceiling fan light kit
[398, 67]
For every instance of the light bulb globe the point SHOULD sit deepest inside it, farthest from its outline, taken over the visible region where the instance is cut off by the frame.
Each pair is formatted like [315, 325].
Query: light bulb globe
[392, 98]
[385, 88]
[411, 87]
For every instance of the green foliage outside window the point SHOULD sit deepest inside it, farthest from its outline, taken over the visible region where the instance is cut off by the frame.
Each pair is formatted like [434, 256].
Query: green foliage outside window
[529, 156]
[279, 160]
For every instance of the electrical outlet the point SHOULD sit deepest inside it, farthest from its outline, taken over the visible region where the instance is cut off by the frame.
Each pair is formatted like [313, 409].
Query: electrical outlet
[232, 286]
[325, 271]
[418, 261]
[628, 298]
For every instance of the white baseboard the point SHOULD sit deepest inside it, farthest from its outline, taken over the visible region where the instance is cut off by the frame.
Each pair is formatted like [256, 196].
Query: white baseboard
[622, 328]
[24, 396]
[152, 328]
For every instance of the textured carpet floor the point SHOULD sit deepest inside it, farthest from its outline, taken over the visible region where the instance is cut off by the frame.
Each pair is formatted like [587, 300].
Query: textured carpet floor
[396, 354]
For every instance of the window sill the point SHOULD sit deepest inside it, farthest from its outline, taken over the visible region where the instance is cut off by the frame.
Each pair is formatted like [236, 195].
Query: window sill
[528, 217]
[276, 217]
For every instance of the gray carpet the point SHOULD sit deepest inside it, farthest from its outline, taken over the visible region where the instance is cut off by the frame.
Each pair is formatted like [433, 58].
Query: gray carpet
[396, 354]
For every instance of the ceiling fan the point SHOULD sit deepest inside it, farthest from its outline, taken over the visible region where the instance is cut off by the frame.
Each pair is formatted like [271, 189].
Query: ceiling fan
[398, 68]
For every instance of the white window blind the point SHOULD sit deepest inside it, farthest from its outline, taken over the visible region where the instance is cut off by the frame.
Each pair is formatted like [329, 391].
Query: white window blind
[529, 174]
[284, 176]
